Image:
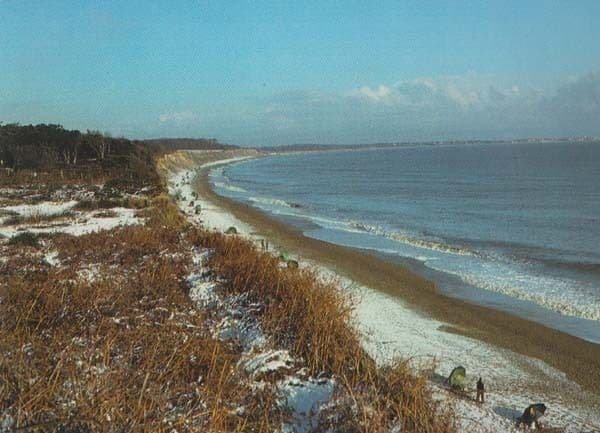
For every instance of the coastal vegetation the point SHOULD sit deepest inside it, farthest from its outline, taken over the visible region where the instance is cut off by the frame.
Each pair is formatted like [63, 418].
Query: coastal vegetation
[50, 151]
[99, 333]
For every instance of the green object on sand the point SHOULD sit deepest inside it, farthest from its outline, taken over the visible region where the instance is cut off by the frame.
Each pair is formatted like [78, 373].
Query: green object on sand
[284, 256]
[458, 377]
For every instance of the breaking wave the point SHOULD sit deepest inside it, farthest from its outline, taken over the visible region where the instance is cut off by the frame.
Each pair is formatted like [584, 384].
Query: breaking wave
[416, 242]
[229, 187]
[561, 301]
[274, 202]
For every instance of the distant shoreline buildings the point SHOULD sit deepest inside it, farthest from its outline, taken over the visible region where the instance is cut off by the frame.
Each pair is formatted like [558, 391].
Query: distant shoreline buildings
[530, 140]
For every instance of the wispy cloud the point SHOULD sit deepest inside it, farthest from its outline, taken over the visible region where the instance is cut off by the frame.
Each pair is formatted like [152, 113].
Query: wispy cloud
[377, 94]
[455, 91]
[467, 106]
[177, 117]
[424, 108]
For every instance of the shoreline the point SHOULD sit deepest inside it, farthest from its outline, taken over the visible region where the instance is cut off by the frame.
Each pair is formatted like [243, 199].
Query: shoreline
[579, 359]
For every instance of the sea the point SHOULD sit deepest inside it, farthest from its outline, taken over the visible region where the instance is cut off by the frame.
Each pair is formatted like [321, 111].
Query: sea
[512, 226]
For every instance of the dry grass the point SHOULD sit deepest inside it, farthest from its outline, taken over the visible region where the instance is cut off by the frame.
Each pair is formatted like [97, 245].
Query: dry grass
[93, 173]
[164, 213]
[313, 320]
[37, 218]
[107, 203]
[126, 351]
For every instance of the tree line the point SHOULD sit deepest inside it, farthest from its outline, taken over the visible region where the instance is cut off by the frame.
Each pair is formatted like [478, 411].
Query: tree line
[189, 143]
[50, 145]
[47, 146]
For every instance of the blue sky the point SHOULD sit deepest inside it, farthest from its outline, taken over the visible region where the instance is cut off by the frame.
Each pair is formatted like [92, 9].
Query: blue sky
[255, 73]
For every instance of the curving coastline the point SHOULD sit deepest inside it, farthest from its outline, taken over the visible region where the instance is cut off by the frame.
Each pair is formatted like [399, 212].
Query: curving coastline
[579, 359]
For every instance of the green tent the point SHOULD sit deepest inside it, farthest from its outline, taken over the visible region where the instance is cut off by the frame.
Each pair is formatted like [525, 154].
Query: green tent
[458, 377]
[284, 256]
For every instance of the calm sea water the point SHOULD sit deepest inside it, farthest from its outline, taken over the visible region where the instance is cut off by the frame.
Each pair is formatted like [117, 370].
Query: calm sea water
[515, 227]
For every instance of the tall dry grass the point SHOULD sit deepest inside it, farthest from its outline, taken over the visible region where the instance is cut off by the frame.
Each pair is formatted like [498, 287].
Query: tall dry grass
[123, 352]
[126, 351]
[313, 319]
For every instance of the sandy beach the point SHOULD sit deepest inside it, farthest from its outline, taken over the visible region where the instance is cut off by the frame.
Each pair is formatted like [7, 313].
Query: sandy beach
[402, 314]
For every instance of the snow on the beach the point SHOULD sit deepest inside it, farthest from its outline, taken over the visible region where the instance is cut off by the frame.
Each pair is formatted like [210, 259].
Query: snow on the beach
[212, 217]
[390, 329]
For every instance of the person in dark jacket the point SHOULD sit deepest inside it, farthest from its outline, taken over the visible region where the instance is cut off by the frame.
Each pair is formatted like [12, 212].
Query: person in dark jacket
[532, 415]
[480, 391]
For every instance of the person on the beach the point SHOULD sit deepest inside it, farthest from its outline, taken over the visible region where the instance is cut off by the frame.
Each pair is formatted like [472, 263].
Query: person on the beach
[480, 391]
[531, 416]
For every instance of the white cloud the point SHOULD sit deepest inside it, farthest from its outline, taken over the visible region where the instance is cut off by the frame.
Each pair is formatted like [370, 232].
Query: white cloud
[426, 108]
[462, 92]
[378, 94]
[179, 117]
[462, 97]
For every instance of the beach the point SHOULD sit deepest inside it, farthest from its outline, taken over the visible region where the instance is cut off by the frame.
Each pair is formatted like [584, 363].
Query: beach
[401, 314]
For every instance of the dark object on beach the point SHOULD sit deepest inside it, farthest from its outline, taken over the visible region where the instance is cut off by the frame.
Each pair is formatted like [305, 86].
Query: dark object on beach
[531, 415]
[292, 264]
[191, 203]
[231, 231]
[457, 378]
[197, 209]
[480, 391]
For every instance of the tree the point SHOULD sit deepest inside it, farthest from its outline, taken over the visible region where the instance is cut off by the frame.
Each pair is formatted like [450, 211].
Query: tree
[71, 146]
[97, 143]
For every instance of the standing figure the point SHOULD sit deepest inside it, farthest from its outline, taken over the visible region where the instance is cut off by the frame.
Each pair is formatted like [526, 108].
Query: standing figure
[480, 391]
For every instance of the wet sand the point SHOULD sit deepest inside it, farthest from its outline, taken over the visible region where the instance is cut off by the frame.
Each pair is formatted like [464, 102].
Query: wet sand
[578, 358]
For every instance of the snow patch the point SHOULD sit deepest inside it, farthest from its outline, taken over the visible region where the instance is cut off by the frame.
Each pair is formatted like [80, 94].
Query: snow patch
[46, 208]
[267, 362]
[84, 224]
[89, 273]
[52, 258]
[304, 399]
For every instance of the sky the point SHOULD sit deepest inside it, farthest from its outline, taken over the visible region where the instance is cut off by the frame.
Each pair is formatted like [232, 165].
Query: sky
[267, 73]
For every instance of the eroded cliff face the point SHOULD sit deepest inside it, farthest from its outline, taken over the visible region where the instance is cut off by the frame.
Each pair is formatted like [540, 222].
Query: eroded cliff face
[186, 159]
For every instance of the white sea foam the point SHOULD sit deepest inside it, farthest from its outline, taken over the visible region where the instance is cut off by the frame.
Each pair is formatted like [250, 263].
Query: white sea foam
[414, 241]
[562, 297]
[551, 293]
[271, 202]
[229, 187]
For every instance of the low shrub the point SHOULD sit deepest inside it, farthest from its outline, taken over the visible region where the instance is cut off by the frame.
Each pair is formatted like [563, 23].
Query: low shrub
[29, 239]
